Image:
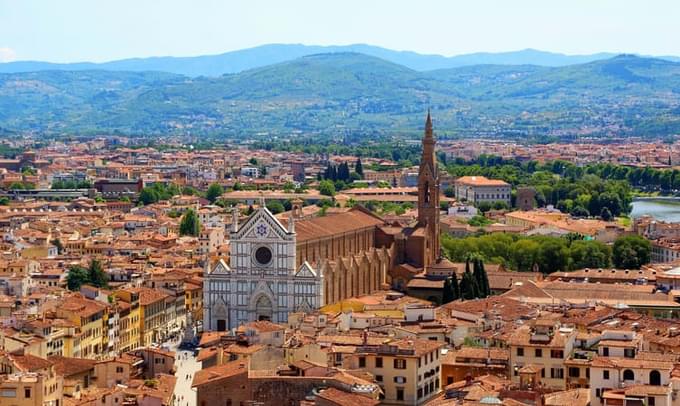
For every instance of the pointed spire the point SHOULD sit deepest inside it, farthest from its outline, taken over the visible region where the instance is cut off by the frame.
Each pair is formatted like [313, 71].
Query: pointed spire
[234, 220]
[428, 123]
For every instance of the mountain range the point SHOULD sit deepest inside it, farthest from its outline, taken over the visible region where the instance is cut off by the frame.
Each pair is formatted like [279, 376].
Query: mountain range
[245, 59]
[353, 95]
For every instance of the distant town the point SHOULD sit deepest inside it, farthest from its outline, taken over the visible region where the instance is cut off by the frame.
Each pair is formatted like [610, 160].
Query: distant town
[438, 273]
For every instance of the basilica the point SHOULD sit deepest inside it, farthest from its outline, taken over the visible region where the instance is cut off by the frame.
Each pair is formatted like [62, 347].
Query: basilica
[279, 266]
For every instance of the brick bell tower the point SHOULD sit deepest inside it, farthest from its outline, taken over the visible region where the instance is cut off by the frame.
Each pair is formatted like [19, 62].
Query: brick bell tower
[428, 195]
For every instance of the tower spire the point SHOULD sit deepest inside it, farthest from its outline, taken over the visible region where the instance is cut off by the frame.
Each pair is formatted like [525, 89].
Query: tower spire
[428, 124]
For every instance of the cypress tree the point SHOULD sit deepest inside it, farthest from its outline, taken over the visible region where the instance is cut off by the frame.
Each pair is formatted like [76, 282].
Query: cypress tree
[468, 286]
[189, 225]
[447, 293]
[455, 289]
[359, 168]
[485, 279]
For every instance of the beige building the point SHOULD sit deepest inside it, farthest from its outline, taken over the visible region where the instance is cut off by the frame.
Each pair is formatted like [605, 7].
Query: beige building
[479, 189]
[538, 352]
[407, 370]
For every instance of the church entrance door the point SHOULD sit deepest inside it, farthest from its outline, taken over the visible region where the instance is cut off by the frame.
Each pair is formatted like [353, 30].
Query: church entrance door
[263, 308]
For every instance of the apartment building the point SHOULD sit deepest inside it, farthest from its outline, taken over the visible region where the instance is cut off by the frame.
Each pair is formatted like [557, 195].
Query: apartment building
[538, 352]
[406, 370]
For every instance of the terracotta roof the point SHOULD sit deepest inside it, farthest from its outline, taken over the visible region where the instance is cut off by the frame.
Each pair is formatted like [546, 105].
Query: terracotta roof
[29, 363]
[618, 362]
[480, 181]
[337, 397]
[217, 373]
[71, 366]
[333, 224]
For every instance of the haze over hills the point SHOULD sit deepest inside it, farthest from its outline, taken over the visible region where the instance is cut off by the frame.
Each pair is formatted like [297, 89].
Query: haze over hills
[355, 95]
[241, 60]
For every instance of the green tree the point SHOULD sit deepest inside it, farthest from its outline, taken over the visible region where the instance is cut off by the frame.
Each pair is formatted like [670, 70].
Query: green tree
[96, 275]
[589, 254]
[148, 196]
[77, 276]
[215, 190]
[468, 286]
[189, 225]
[524, 254]
[359, 168]
[481, 278]
[4, 201]
[60, 247]
[553, 256]
[631, 252]
[326, 188]
[275, 207]
[447, 292]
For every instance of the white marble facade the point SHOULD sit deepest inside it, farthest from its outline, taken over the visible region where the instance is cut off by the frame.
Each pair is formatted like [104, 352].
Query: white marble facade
[261, 281]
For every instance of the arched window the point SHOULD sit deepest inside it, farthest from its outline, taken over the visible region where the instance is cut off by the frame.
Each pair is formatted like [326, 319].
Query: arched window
[655, 378]
[628, 375]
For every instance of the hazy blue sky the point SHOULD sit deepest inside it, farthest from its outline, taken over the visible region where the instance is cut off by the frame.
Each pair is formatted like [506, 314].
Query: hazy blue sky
[99, 30]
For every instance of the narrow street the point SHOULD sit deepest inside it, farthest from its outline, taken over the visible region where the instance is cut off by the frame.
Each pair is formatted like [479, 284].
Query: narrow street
[186, 366]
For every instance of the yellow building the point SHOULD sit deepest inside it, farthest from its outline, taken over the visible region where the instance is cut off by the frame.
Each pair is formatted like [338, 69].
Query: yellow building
[406, 370]
[194, 300]
[152, 314]
[130, 320]
[88, 317]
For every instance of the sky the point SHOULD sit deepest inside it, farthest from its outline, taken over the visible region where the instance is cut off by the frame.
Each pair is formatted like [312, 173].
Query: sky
[103, 30]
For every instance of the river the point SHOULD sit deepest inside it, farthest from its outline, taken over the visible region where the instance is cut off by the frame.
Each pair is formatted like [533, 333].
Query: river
[665, 210]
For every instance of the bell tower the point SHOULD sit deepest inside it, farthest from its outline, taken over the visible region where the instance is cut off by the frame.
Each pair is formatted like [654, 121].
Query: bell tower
[428, 195]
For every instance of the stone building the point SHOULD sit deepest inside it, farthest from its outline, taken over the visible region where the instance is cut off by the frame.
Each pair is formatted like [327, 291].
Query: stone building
[280, 266]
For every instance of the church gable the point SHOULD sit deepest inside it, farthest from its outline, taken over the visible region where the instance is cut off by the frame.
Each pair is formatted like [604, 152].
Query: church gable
[220, 267]
[305, 271]
[261, 225]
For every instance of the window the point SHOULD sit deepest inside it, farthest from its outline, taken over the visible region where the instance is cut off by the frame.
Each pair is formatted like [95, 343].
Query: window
[449, 380]
[520, 352]
[605, 374]
[629, 352]
[556, 354]
[605, 351]
[574, 372]
[628, 375]
[588, 373]
[399, 363]
[119, 370]
[399, 379]
[655, 378]
[400, 393]
[379, 378]
[27, 393]
[651, 401]
[378, 362]
[420, 393]
[362, 362]
[538, 353]
[556, 373]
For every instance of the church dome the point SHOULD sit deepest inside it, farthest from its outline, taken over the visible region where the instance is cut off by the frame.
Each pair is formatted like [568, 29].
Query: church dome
[443, 264]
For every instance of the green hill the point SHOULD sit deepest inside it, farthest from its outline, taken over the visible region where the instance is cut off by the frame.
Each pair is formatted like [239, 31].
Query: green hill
[341, 93]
